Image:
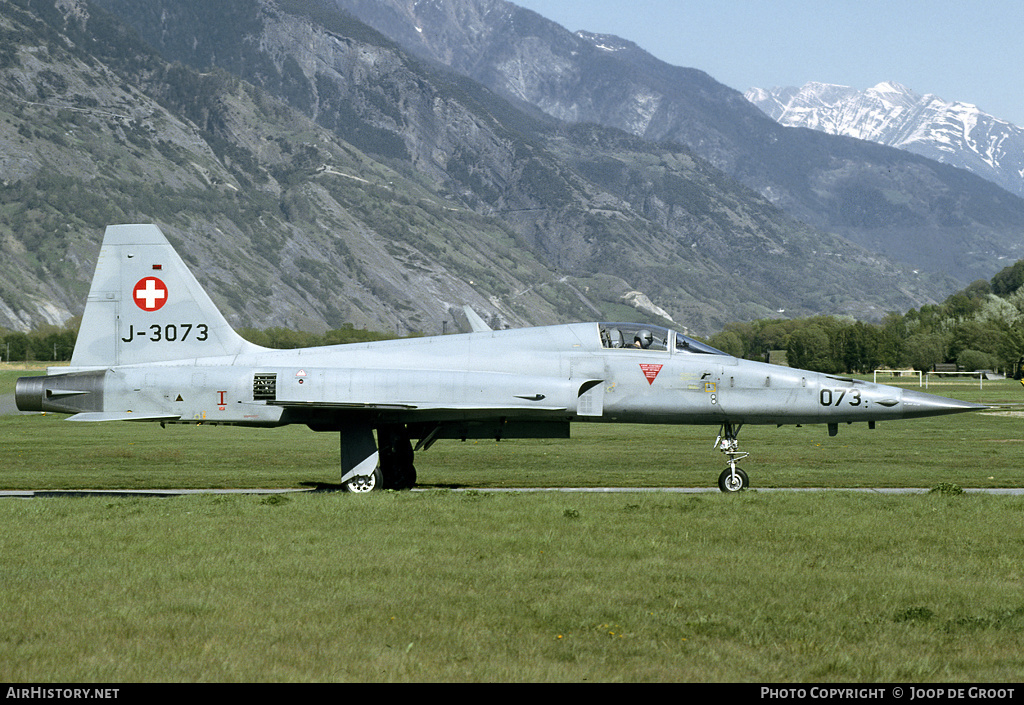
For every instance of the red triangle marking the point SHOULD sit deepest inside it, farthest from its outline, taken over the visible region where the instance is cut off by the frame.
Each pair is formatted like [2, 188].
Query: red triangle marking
[650, 371]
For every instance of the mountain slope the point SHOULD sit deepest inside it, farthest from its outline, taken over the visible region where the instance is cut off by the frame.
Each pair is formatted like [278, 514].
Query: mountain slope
[284, 223]
[954, 133]
[317, 175]
[493, 158]
[924, 214]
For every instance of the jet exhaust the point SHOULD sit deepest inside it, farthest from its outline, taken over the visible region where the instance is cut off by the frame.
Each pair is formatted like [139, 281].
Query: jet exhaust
[65, 394]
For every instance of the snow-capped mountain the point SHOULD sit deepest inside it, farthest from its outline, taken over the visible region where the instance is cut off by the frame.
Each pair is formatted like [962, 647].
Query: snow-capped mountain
[954, 133]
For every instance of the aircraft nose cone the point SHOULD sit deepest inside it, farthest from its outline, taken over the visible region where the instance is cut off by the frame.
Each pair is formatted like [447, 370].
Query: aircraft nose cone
[921, 404]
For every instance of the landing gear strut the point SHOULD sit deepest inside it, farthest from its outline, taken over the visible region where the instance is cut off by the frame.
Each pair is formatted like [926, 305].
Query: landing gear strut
[396, 457]
[360, 456]
[732, 479]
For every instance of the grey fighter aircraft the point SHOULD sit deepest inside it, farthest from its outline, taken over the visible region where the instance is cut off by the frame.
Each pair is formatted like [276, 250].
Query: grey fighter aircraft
[154, 347]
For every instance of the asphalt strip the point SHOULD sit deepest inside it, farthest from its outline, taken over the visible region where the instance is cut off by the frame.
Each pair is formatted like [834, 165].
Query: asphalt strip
[28, 494]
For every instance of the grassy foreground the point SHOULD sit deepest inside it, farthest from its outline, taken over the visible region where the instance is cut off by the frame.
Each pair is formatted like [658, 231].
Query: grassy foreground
[443, 586]
[473, 586]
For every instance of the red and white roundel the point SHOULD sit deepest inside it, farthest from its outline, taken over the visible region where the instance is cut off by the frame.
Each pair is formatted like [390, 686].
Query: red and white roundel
[150, 294]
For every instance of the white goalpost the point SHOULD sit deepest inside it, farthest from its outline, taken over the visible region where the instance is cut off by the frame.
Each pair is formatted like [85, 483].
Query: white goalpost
[980, 374]
[923, 377]
[900, 374]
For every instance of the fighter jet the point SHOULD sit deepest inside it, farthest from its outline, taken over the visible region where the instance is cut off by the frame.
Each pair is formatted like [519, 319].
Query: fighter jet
[154, 347]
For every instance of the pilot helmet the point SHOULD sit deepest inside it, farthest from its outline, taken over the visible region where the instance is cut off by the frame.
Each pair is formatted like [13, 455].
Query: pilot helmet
[645, 338]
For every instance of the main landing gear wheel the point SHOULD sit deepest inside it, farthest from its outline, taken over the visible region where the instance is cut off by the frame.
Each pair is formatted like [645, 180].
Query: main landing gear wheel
[364, 483]
[733, 480]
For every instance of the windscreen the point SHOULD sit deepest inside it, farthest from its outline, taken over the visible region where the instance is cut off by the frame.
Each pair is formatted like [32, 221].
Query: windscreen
[639, 336]
[686, 344]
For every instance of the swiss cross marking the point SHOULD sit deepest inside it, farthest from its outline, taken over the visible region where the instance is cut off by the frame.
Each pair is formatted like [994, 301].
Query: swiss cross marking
[650, 371]
[150, 294]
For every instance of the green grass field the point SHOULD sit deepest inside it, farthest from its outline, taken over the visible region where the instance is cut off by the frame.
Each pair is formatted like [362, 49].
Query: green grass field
[478, 586]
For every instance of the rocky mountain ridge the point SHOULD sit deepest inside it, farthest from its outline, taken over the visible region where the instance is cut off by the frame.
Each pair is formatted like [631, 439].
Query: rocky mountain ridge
[951, 132]
[316, 175]
[919, 212]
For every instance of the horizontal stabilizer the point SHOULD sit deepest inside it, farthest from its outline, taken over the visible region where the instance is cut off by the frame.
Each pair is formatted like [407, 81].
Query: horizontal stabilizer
[122, 416]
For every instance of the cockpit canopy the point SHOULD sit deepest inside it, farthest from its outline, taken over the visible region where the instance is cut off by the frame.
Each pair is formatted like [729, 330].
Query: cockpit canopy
[640, 336]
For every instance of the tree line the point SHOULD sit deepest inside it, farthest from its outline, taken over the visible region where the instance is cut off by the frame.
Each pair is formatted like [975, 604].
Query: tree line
[979, 328]
[48, 343]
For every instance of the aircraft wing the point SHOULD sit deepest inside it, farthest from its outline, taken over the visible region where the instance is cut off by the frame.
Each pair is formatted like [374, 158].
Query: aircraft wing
[371, 406]
[419, 406]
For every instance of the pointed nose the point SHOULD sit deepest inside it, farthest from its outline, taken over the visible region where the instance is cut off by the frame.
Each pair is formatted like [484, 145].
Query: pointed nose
[920, 404]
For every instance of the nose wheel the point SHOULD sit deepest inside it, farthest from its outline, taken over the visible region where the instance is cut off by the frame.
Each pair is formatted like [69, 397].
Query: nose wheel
[732, 479]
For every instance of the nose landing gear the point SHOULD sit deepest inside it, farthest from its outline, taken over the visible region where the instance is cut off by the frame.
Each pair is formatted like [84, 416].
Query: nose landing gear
[732, 479]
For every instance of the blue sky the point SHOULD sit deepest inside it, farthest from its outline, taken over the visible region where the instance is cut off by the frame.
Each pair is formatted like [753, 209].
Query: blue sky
[970, 51]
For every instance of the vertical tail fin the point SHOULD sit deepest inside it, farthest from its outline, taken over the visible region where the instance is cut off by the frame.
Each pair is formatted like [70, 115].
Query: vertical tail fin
[146, 306]
[476, 323]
